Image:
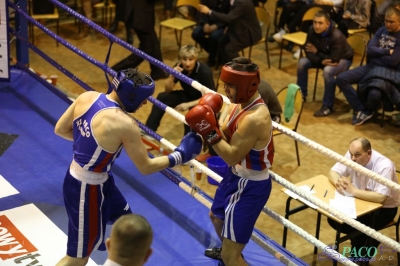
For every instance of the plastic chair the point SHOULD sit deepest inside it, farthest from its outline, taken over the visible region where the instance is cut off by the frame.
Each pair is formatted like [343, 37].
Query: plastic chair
[55, 15]
[299, 37]
[357, 42]
[180, 24]
[105, 6]
[360, 30]
[294, 122]
[265, 21]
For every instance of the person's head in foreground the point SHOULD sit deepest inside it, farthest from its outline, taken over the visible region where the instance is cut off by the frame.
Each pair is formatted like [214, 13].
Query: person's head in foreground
[130, 241]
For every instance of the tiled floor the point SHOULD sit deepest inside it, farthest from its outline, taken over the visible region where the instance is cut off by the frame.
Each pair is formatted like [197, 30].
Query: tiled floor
[334, 132]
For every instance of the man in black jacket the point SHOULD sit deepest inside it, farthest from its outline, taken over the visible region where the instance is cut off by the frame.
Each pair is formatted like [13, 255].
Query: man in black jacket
[326, 48]
[243, 27]
[140, 16]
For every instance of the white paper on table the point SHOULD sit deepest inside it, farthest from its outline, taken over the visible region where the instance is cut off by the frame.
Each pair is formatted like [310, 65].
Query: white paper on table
[295, 196]
[344, 204]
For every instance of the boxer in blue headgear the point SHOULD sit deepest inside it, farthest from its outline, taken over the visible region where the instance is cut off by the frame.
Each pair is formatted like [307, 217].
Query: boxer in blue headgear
[133, 87]
[99, 127]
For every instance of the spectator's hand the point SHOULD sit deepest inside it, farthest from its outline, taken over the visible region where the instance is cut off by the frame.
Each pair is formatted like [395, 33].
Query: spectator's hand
[391, 51]
[347, 186]
[178, 68]
[206, 28]
[311, 48]
[341, 184]
[346, 14]
[211, 28]
[182, 107]
[204, 9]
[328, 62]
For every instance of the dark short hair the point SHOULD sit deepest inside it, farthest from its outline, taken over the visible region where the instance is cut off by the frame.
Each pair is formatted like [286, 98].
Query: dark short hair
[395, 4]
[323, 13]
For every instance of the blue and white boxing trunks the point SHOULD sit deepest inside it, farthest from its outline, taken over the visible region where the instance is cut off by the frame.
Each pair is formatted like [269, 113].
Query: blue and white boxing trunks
[92, 200]
[238, 202]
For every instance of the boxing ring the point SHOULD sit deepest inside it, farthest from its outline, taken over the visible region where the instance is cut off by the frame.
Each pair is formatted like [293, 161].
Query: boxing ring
[33, 161]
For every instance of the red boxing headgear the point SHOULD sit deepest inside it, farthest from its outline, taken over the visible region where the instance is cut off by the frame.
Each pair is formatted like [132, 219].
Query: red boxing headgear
[242, 73]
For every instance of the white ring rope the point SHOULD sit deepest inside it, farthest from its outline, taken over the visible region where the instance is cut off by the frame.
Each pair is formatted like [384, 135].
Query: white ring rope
[190, 190]
[316, 242]
[309, 143]
[333, 155]
[330, 252]
[355, 224]
[365, 229]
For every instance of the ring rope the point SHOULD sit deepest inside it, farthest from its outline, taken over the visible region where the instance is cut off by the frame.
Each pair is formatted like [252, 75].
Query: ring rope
[316, 242]
[337, 157]
[354, 223]
[198, 86]
[365, 229]
[189, 189]
[312, 144]
[51, 61]
[277, 178]
[73, 48]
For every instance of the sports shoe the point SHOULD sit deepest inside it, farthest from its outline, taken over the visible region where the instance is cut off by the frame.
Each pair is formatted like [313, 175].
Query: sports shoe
[296, 54]
[361, 117]
[324, 111]
[396, 119]
[214, 253]
[278, 36]
[271, 39]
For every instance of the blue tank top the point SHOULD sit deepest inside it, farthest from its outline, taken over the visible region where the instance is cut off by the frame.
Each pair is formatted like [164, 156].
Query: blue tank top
[87, 152]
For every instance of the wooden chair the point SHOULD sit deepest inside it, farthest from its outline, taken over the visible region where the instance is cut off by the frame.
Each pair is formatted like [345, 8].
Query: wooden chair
[265, 21]
[357, 42]
[299, 37]
[180, 24]
[107, 8]
[55, 15]
[294, 121]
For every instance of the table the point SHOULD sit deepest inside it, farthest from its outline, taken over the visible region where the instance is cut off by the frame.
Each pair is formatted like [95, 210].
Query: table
[321, 184]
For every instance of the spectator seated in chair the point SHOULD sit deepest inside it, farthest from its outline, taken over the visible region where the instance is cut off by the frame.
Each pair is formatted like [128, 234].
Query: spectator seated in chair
[326, 48]
[379, 78]
[182, 100]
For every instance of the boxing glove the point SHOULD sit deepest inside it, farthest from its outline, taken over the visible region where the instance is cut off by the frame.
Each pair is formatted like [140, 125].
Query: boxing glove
[187, 150]
[214, 100]
[201, 119]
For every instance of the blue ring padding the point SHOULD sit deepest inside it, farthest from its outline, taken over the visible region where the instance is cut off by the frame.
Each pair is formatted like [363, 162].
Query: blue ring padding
[39, 154]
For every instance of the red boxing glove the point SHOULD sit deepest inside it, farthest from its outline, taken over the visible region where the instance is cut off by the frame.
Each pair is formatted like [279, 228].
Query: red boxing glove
[201, 119]
[214, 100]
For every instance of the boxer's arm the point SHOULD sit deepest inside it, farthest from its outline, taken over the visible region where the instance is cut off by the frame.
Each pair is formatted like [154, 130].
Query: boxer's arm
[63, 127]
[136, 150]
[242, 141]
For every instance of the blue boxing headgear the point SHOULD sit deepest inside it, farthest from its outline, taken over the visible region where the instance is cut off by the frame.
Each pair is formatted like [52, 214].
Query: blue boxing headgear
[133, 87]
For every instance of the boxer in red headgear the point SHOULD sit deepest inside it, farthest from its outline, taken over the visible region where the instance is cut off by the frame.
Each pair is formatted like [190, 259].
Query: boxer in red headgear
[244, 142]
